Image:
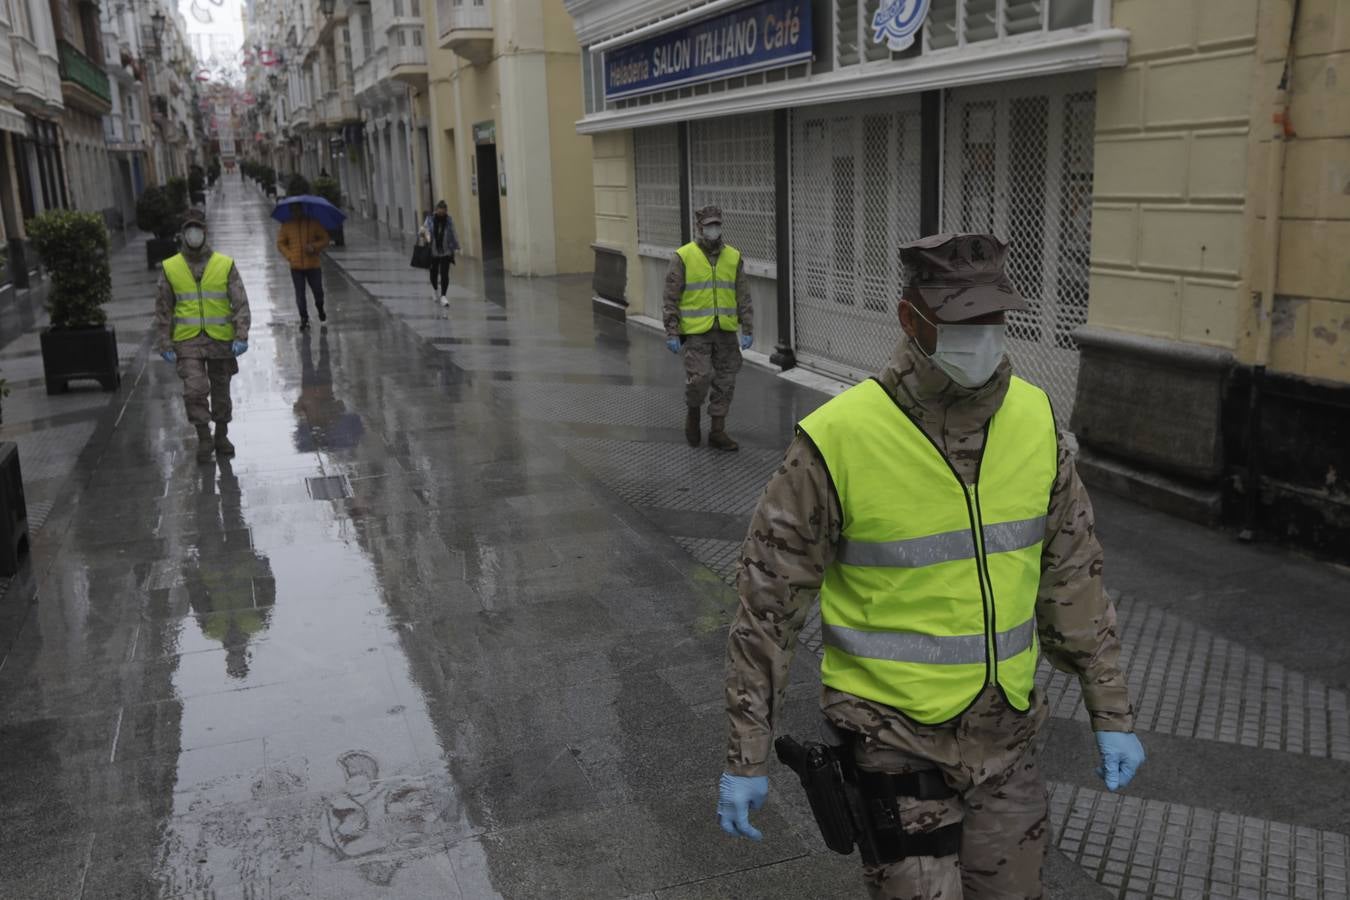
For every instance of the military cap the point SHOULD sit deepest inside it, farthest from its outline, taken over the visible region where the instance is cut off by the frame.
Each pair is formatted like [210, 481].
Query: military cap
[708, 214]
[194, 216]
[960, 276]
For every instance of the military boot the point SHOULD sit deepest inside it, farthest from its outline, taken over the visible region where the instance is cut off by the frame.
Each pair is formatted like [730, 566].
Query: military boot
[204, 445]
[693, 429]
[223, 445]
[718, 438]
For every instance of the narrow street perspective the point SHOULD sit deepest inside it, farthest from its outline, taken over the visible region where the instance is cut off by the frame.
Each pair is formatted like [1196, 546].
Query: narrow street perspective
[581, 449]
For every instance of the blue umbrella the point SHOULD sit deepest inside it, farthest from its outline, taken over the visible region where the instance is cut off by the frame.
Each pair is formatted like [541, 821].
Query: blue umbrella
[316, 208]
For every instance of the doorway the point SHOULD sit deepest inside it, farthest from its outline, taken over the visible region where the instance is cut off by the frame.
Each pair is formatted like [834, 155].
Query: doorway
[489, 207]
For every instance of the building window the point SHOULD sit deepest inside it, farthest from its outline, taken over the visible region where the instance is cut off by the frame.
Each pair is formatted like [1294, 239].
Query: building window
[656, 165]
[731, 166]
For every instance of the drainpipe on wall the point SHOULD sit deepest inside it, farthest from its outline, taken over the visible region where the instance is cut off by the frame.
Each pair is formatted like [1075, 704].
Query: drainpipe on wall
[1281, 132]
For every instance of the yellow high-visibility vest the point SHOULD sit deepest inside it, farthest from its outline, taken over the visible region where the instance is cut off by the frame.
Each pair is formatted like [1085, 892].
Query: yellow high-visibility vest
[203, 306]
[932, 593]
[709, 296]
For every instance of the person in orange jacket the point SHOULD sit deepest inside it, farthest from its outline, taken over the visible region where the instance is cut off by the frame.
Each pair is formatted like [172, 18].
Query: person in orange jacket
[301, 240]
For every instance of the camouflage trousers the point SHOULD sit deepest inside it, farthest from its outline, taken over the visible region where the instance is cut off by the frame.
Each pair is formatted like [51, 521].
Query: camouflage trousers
[711, 360]
[207, 380]
[988, 756]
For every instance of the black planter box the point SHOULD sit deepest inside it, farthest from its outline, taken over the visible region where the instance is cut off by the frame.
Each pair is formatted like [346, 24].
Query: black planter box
[159, 249]
[339, 240]
[79, 353]
[13, 511]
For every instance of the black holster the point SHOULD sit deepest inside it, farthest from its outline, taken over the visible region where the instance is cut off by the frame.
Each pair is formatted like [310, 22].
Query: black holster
[854, 807]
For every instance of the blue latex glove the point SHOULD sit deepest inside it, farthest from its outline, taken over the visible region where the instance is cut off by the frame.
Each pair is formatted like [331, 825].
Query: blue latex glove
[736, 796]
[673, 345]
[1122, 755]
[239, 348]
[169, 356]
[746, 341]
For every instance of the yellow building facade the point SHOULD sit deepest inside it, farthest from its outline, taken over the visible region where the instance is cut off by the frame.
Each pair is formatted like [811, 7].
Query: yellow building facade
[1209, 386]
[502, 102]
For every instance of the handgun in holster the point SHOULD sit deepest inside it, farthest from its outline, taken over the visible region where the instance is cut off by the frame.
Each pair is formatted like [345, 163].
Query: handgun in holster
[853, 807]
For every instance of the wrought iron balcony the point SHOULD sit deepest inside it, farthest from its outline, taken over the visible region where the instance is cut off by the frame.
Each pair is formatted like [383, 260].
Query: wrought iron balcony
[81, 72]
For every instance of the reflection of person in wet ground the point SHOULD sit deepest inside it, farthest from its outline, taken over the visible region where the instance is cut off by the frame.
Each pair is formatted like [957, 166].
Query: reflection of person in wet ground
[323, 421]
[230, 586]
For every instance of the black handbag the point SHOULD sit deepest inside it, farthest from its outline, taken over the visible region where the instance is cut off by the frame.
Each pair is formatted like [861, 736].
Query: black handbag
[421, 258]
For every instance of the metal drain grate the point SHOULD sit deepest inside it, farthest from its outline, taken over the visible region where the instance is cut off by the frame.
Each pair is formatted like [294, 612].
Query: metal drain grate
[329, 487]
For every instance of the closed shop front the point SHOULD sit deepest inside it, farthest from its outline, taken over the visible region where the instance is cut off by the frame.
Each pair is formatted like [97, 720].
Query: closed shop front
[852, 134]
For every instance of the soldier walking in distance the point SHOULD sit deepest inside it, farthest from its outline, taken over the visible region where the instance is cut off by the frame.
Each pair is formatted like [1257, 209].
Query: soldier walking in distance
[202, 320]
[707, 300]
[938, 513]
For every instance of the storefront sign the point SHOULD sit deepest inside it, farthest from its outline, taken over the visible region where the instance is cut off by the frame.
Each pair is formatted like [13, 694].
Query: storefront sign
[765, 35]
[897, 21]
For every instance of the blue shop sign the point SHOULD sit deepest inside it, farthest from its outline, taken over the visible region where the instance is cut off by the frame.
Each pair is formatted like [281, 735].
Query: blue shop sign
[764, 35]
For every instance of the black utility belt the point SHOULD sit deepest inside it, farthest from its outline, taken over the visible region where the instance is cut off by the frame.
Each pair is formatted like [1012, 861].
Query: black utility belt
[858, 808]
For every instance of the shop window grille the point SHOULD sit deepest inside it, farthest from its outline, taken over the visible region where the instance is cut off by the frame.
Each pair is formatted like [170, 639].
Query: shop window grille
[958, 23]
[855, 199]
[656, 164]
[1018, 164]
[731, 165]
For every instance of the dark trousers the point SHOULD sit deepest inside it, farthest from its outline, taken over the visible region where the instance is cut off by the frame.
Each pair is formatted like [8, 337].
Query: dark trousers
[440, 273]
[315, 279]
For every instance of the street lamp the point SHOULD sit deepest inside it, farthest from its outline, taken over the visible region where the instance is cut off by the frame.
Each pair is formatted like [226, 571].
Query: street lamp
[157, 26]
[326, 7]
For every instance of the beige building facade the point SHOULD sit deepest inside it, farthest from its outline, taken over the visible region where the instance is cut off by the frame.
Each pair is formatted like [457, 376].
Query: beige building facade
[503, 100]
[1121, 146]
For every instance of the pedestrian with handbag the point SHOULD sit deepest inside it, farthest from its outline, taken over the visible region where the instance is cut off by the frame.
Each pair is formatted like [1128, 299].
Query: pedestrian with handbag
[438, 233]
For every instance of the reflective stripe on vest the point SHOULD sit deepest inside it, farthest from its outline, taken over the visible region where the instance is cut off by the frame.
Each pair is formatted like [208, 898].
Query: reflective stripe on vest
[709, 296]
[201, 307]
[932, 593]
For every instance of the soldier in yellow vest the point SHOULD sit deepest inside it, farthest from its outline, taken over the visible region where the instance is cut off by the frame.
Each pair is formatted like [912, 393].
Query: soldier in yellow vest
[707, 300]
[938, 513]
[202, 320]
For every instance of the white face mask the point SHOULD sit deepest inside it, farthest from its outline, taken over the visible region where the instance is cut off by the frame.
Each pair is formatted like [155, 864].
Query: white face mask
[712, 233]
[969, 354]
[194, 236]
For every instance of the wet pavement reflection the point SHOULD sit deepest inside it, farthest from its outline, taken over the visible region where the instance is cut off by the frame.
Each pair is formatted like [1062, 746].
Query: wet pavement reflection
[399, 646]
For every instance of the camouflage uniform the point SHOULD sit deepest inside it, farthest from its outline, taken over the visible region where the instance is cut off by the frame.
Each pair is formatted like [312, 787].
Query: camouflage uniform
[713, 358]
[988, 754]
[205, 364]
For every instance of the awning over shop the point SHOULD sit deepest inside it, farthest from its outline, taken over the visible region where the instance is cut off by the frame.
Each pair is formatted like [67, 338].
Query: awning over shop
[12, 120]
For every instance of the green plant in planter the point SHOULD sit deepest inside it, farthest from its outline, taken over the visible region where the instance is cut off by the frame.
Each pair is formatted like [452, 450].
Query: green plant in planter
[329, 189]
[156, 214]
[74, 248]
[297, 184]
[196, 180]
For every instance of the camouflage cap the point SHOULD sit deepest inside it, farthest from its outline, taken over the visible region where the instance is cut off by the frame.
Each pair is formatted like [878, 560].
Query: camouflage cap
[194, 216]
[960, 276]
[708, 214]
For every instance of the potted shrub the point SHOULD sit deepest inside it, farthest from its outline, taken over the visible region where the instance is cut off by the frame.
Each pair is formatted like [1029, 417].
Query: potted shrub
[156, 215]
[267, 180]
[297, 184]
[79, 343]
[330, 190]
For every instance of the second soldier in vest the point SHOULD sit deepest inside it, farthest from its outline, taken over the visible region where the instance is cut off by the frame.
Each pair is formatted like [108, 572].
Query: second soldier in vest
[938, 513]
[201, 321]
[707, 300]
